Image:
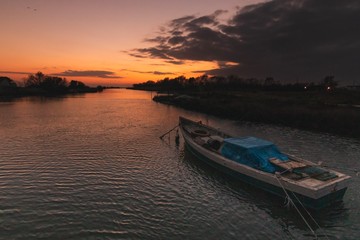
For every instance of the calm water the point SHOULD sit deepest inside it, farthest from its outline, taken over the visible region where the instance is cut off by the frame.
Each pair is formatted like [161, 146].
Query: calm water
[93, 167]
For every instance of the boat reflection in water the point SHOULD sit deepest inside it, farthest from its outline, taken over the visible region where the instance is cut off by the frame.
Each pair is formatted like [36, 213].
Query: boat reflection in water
[259, 162]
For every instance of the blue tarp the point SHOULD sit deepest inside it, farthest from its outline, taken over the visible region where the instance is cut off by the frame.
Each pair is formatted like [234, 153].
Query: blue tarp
[253, 152]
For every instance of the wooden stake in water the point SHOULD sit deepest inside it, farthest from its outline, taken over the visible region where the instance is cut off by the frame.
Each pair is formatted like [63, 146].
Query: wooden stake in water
[177, 137]
[168, 131]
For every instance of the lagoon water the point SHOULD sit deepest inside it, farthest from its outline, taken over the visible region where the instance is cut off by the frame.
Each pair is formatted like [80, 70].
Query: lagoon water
[92, 166]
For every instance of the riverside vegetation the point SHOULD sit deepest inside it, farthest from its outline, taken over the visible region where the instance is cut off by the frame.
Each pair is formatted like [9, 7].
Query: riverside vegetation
[40, 84]
[321, 107]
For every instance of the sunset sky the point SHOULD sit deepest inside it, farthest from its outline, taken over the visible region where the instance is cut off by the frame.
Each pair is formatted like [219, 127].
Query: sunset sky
[120, 42]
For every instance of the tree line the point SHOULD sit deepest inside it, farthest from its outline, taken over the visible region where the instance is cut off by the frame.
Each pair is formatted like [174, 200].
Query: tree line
[39, 83]
[42, 81]
[231, 82]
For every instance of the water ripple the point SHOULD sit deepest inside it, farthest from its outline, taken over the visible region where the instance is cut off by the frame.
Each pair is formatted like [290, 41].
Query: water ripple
[95, 168]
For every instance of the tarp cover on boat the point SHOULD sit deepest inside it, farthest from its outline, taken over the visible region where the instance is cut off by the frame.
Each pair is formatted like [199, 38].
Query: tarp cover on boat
[253, 152]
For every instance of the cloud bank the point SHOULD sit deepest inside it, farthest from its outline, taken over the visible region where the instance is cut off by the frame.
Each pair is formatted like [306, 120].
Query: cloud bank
[151, 72]
[291, 40]
[88, 73]
[12, 72]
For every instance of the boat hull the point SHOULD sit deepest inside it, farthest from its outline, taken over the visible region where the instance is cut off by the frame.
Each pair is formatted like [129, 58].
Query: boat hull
[313, 203]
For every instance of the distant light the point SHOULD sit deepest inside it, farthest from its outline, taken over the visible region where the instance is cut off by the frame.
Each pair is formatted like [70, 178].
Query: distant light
[305, 87]
[328, 88]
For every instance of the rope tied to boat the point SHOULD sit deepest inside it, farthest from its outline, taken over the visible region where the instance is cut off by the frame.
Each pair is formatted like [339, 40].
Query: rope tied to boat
[161, 137]
[289, 202]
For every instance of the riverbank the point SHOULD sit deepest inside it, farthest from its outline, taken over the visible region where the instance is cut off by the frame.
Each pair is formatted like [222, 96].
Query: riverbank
[16, 92]
[40, 84]
[336, 112]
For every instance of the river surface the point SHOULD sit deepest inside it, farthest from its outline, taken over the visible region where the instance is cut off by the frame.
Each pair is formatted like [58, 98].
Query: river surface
[93, 166]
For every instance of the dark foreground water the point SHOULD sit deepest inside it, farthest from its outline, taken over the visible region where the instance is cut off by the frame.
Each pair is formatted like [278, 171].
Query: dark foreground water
[93, 167]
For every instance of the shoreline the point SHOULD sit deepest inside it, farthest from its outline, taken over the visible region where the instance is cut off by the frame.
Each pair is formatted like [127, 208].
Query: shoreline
[19, 92]
[283, 110]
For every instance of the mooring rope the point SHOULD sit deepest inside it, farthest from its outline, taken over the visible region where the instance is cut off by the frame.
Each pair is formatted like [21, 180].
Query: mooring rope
[169, 131]
[297, 199]
[292, 202]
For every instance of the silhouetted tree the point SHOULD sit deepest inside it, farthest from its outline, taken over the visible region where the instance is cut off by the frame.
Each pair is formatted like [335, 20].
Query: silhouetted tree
[6, 82]
[49, 83]
[34, 80]
[76, 84]
[329, 83]
[269, 81]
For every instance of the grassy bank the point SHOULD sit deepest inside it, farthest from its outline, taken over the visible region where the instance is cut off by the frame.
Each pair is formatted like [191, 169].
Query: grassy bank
[335, 112]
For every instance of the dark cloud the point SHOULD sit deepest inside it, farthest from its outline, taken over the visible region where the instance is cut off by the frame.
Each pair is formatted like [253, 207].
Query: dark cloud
[179, 22]
[88, 73]
[151, 72]
[161, 73]
[286, 39]
[175, 62]
[10, 72]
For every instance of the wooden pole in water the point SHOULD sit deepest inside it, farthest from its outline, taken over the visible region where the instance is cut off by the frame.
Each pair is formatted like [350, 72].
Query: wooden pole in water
[169, 131]
[177, 137]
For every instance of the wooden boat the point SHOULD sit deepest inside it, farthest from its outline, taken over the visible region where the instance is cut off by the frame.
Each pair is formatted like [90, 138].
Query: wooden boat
[259, 163]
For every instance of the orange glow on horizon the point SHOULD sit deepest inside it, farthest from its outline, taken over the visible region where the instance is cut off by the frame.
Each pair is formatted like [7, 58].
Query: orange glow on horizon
[84, 36]
[135, 72]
